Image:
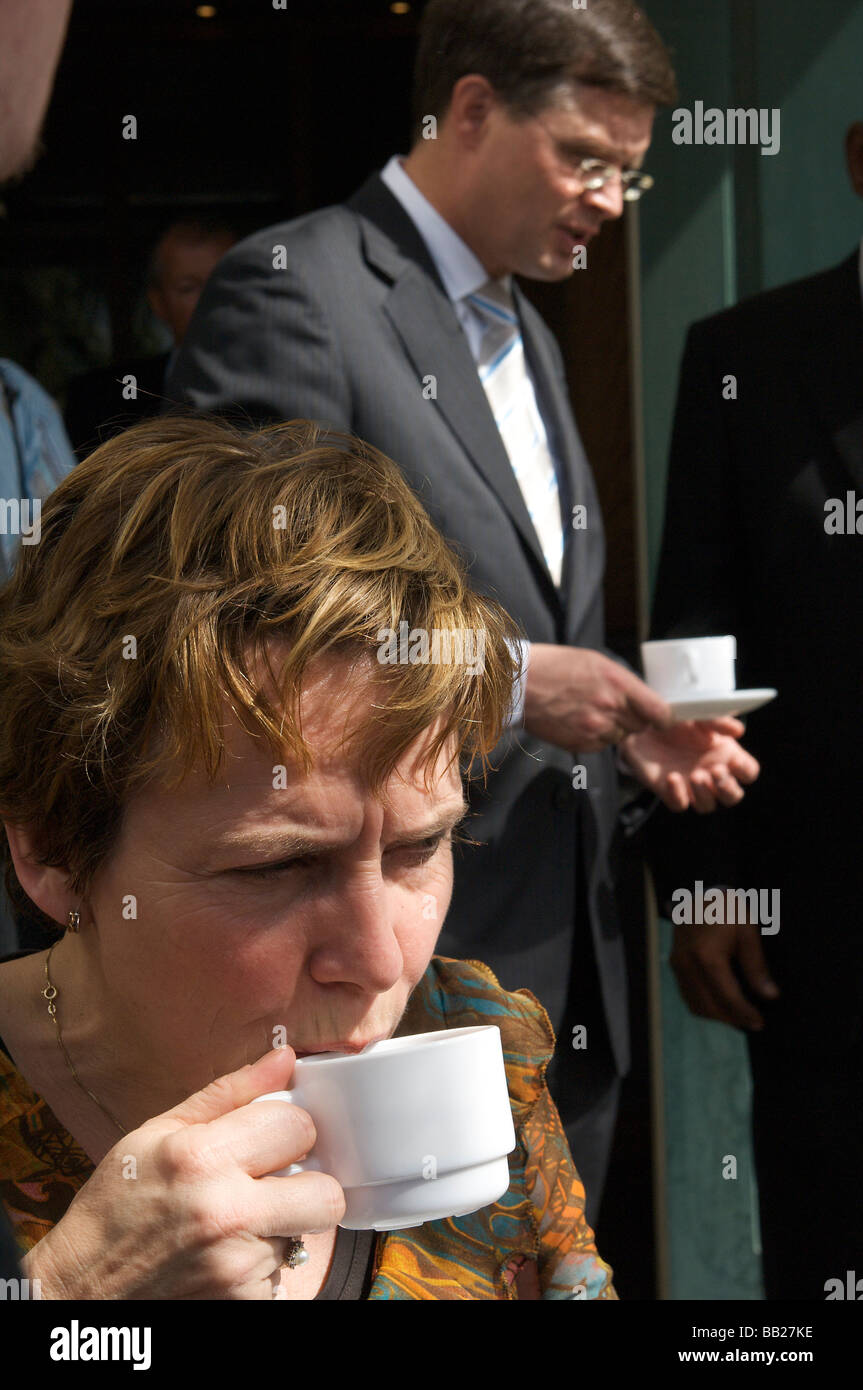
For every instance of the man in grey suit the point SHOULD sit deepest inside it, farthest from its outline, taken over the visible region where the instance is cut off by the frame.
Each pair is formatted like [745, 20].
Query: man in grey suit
[395, 317]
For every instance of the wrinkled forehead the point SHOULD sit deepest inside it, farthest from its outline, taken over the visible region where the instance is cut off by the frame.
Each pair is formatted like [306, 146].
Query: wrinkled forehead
[341, 698]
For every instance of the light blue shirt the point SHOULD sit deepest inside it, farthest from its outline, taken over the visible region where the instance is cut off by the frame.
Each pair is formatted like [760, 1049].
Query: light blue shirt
[461, 273]
[35, 455]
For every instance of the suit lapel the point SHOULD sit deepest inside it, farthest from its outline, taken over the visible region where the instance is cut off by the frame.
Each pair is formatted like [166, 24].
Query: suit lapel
[834, 377]
[425, 321]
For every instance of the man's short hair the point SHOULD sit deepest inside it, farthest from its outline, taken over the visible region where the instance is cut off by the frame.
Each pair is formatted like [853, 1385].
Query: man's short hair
[168, 564]
[531, 49]
[195, 231]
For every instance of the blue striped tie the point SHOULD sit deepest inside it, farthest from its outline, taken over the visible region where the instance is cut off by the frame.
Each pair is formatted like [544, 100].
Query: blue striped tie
[508, 386]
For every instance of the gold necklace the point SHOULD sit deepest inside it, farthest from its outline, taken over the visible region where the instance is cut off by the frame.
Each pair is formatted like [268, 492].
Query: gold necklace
[49, 993]
[296, 1253]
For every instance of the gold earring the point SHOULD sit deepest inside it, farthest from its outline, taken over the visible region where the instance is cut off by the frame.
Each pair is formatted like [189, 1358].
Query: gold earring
[74, 921]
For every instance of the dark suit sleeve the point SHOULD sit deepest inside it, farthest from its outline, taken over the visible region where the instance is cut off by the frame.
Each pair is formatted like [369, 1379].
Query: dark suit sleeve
[260, 347]
[698, 582]
[698, 588]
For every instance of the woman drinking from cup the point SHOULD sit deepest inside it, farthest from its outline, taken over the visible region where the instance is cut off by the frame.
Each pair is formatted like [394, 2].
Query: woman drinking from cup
[231, 817]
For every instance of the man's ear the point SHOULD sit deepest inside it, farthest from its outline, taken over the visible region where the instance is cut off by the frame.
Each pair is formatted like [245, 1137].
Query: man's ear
[854, 156]
[471, 103]
[47, 887]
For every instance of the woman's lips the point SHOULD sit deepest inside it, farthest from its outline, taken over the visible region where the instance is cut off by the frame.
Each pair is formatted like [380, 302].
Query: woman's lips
[351, 1047]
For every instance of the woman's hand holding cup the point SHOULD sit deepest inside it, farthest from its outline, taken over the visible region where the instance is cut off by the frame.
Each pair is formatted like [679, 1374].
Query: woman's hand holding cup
[201, 1218]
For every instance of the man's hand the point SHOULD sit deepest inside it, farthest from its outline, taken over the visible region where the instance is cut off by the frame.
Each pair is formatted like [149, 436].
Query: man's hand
[692, 764]
[701, 960]
[583, 701]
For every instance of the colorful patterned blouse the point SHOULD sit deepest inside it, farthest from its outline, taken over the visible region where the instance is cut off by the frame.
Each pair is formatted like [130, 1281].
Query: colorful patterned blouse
[532, 1243]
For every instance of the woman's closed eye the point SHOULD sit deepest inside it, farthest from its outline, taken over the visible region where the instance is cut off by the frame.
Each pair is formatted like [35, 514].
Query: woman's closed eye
[275, 870]
[420, 852]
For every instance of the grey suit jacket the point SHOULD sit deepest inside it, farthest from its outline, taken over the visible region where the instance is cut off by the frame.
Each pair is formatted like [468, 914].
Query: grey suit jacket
[350, 334]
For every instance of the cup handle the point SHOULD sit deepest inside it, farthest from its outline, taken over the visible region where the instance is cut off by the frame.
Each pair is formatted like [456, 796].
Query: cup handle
[309, 1164]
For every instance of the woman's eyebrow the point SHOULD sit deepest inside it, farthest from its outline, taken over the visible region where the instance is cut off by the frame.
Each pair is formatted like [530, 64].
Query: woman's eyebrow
[443, 823]
[261, 848]
[298, 845]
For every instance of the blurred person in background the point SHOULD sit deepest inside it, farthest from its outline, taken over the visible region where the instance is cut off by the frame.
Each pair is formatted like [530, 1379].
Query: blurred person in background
[31, 39]
[102, 402]
[764, 539]
[34, 451]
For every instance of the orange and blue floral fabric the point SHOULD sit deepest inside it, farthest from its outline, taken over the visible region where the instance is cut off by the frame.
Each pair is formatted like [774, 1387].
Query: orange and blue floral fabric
[532, 1243]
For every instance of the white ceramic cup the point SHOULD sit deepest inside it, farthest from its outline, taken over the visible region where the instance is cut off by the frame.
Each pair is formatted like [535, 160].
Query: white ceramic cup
[688, 667]
[414, 1129]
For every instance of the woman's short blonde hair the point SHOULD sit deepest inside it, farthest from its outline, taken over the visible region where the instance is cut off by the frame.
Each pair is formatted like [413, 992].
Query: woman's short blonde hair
[167, 562]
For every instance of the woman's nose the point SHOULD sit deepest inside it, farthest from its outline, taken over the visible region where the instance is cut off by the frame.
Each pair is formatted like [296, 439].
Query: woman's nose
[359, 944]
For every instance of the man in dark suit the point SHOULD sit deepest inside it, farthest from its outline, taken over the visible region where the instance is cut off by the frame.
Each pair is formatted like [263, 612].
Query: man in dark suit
[394, 316]
[763, 539]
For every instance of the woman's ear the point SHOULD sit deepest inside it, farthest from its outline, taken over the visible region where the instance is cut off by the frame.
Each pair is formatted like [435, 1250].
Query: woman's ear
[47, 887]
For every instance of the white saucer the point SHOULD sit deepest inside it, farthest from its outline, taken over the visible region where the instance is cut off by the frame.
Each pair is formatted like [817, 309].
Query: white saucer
[709, 706]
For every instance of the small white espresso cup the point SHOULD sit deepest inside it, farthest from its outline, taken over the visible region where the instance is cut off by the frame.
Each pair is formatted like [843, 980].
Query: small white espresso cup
[414, 1129]
[687, 667]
